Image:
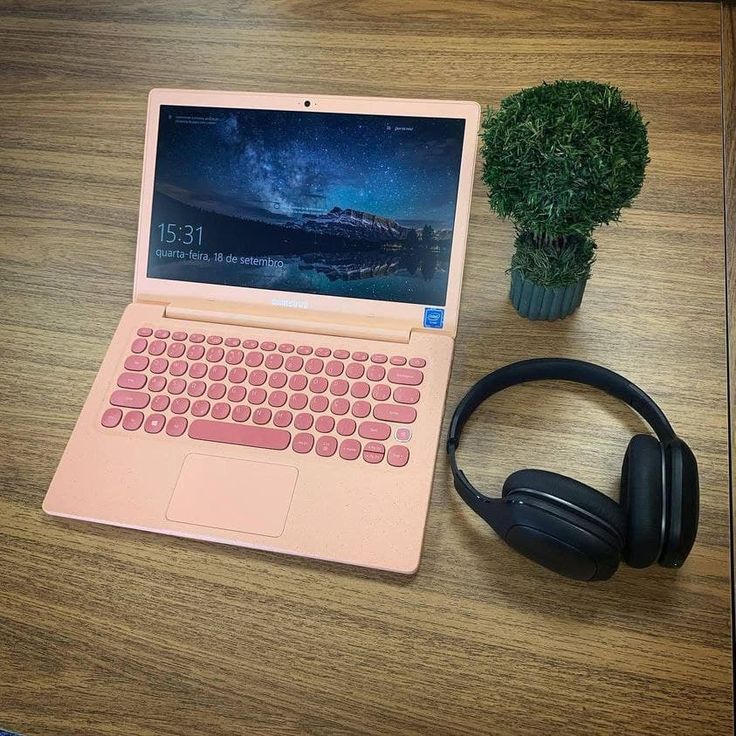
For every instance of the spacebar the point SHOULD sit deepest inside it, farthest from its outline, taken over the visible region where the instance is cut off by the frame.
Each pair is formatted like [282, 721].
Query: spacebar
[239, 434]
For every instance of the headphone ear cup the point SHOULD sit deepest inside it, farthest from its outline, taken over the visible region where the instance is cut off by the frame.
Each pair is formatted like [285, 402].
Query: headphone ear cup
[642, 498]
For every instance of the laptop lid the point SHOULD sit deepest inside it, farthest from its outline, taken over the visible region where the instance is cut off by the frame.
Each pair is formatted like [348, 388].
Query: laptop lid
[350, 208]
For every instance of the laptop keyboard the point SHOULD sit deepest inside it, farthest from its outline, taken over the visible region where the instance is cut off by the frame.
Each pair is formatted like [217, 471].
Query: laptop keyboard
[302, 398]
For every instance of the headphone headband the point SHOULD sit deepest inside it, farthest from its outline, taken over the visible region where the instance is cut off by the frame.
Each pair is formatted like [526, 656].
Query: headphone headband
[559, 369]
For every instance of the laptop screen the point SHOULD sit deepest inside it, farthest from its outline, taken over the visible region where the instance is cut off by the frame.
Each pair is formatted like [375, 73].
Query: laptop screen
[336, 204]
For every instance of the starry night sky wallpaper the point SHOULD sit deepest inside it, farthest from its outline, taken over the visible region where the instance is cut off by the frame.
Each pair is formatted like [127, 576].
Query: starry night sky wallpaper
[309, 202]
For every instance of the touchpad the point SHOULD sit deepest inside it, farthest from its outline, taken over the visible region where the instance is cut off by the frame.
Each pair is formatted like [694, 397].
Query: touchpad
[239, 495]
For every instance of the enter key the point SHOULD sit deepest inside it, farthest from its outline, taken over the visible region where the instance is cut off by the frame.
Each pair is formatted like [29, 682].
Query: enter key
[395, 413]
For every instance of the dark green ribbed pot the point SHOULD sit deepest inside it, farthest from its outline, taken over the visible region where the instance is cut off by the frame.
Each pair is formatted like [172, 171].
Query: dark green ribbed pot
[544, 302]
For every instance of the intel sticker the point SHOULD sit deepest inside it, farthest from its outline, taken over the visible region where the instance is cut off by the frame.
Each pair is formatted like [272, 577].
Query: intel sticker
[434, 317]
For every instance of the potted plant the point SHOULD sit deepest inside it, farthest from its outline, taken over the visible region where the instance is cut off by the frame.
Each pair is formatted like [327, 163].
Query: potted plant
[560, 159]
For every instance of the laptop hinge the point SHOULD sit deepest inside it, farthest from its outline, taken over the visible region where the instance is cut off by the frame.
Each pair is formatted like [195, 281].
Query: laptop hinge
[318, 324]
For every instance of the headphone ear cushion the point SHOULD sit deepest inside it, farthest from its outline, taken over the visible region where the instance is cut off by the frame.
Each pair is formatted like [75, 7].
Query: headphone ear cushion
[641, 499]
[573, 491]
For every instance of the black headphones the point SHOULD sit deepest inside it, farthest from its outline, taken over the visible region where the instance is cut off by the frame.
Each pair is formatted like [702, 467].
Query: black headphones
[568, 526]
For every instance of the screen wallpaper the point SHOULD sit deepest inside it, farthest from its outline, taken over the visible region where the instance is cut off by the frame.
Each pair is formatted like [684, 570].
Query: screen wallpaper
[316, 203]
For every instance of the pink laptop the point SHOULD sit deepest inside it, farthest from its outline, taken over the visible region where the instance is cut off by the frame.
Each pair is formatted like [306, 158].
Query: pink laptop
[279, 379]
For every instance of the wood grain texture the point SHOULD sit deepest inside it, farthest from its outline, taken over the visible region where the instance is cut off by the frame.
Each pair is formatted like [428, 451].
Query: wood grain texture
[108, 631]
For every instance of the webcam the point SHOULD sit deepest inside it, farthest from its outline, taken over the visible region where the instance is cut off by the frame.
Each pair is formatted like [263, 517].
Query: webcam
[307, 103]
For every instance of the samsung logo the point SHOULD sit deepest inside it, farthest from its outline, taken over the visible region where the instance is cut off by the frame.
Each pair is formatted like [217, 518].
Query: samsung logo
[290, 303]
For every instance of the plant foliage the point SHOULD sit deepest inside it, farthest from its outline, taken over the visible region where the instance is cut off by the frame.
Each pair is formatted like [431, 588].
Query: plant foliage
[553, 261]
[563, 158]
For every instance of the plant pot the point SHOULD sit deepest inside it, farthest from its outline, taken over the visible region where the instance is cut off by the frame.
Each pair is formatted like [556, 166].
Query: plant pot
[534, 301]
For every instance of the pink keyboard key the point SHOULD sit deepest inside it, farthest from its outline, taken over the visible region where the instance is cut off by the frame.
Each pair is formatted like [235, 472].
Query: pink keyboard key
[318, 403]
[111, 417]
[395, 413]
[195, 352]
[304, 350]
[159, 365]
[326, 446]
[318, 385]
[131, 380]
[322, 352]
[257, 377]
[177, 386]
[381, 392]
[282, 418]
[354, 370]
[157, 383]
[176, 426]
[375, 373]
[405, 376]
[379, 358]
[274, 361]
[268, 345]
[417, 362]
[145, 331]
[398, 456]
[302, 443]
[342, 354]
[339, 387]
[129, 399]
[361, 409]
[346, 427]
[262, 415]
[286, 347]
[133, 420]
[297, 401]
[406, 395]
[155, 423]
[314, 365]
[179, 335]
[217, 373]
[241, 413]
[232, 342]
[253, 360]
[277, 398]
[161, 334]
[136, 363]
[349, 449]
[303, 421]
[237, 375]
[200, 408]
[236, 394]
[196, 337]
[176, 350]
[403, 434]
[178, 368]
[239, 434]
[256, 396]
[374, 431]
[214, 340]
[234, 356]
[324, 424]
[216, 391]
[360, 390]
[157, 347]
[373, 452]
[334, 368]
[294, 363]
[359, 355]
[180, 405]
[278, 380]
[160, 403]
[138, 345]
[340, 406]
[221, 410]
[398, 360]
[198, 370]
[214, 355]
[196, 388]
[298, 382]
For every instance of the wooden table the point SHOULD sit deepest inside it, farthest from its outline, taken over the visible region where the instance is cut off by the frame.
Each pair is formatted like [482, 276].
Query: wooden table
[107, 631]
